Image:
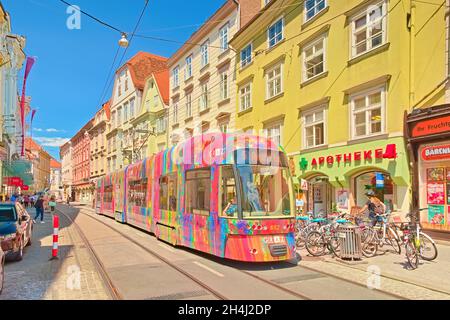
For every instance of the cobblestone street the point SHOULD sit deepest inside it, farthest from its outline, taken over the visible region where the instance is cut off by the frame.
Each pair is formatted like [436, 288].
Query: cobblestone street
[72, 277]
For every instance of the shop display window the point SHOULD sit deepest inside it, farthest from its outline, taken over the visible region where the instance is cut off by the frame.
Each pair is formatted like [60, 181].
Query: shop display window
[381, 183]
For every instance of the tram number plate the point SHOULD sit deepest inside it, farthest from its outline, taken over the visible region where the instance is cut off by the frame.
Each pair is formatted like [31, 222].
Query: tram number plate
[342, 235]
[274, 240]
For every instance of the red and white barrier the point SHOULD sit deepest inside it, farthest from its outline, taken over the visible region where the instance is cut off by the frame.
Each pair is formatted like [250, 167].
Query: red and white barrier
[55, 237]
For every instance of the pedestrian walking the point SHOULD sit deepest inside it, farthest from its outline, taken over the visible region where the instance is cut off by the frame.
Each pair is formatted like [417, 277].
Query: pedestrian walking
[52, 204]
[39, 205]
[68, 200]
[26, 201]
[14, 198]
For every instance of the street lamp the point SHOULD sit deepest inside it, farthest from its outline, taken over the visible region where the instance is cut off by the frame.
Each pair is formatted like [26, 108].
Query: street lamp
[123, 42]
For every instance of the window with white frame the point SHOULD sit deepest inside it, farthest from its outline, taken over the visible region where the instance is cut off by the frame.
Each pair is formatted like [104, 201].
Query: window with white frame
[175, 112]
[119, 117]
[188, 68]
[274, 81]
[314, 62]
[188, 105]
[132, 108]
[369, 29]
[224, 85]
[314, 127]
[313, 7]
[274, 132]
[368, 113]
[125, 112]
[275, 33]
[204, 53]
[161, 125]
[246, 55]
[245, 97]
[223, 38]
[175, 77]
[204, 98]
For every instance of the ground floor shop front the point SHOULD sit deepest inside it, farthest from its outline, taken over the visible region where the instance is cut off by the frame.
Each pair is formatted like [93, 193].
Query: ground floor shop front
[336, 179]
[429, 145]
[83, 193]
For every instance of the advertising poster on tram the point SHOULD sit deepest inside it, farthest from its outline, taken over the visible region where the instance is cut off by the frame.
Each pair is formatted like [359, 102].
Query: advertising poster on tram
[436, 214]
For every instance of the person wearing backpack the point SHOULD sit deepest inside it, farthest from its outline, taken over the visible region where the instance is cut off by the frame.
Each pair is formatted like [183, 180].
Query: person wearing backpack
[375, 206]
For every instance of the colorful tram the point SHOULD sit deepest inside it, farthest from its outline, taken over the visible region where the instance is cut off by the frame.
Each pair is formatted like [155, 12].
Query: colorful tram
[227, 195]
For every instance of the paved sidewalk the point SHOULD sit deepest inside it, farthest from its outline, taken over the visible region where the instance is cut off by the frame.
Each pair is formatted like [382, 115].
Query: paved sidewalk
[72, 277]
[430, 281]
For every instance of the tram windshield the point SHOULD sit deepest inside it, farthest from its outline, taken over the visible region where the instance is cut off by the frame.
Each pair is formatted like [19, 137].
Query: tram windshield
[266, 191]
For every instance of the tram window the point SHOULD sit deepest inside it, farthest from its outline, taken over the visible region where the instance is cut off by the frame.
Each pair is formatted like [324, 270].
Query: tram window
[163, 192]
[229, 207]
[168, 193]
[107, 194]
[138, 193]
[198, 191]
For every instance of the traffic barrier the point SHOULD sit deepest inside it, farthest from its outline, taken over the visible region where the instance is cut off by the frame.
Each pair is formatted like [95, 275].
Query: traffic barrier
[55, 237]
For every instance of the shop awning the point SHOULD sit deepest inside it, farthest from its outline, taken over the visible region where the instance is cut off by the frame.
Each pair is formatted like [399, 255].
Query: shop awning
[19, 168]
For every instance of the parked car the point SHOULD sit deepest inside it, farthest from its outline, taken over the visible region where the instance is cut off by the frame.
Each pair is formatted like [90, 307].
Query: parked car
[16, 228]
[2, 269]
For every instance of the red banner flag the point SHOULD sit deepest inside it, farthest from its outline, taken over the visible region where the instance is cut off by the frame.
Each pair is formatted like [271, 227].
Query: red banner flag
[29, 65]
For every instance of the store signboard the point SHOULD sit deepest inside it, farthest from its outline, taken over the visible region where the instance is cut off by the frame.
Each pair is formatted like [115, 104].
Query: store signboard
[439, 152]
[436, 214]
[430, 127]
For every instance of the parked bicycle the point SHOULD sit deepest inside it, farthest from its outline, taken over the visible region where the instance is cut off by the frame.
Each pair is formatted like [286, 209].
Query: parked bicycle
[305, 225]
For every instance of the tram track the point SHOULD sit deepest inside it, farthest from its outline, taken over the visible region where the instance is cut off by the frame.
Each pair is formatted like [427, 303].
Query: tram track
[199, 282]
[217, 294]
[115, 293]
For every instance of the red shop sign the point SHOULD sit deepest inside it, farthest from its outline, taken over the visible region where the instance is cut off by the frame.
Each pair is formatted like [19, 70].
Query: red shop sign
[429, 127]
[25, 188]
[436, 152]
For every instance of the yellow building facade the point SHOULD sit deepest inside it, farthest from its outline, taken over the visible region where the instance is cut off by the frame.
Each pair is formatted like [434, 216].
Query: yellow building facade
[331, 80]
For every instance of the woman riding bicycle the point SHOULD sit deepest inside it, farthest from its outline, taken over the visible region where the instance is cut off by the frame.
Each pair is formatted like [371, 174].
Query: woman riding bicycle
[375, 207]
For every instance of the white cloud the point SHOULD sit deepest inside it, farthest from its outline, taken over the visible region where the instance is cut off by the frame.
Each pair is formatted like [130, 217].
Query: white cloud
[54, 130]
[51, 142]
[38, 129]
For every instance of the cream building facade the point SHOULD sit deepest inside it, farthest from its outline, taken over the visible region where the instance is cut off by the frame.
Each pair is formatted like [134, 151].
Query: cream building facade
[97, 134]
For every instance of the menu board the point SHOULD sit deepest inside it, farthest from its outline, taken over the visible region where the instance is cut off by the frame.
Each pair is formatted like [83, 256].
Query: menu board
[436, 214]
[435, 174]
[435, 192]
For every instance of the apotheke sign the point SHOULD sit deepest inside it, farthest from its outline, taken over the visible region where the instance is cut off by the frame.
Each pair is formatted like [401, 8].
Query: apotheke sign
[436, 152]
[389, 153]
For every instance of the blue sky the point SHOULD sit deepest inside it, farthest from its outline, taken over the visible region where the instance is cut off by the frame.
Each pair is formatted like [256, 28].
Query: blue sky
[72, 65]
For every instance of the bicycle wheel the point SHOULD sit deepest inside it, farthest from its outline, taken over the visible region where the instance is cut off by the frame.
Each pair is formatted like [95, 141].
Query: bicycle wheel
[428, 250]
[315, 244]
[369, 245]
[334, 246]
[393, 241]
[411, 255]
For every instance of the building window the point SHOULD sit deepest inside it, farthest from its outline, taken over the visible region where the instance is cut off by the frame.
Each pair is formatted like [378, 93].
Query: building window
[113, 119]
[188, 105]
[204, 53]
[125, 112]
[175, 78]
[313, 7]
[274, 132]
[275, 33]
[223, 127]
[119, 117]
[132, 108]
[314, 128]
[223, 37]
[204, 98]
[245, 97]
[161, 124]
[246, 55]
[379, 182]
[188, 70]
[175, 112]
[368, 113]
[198, 191]
[369, 29]
[314, 59]
[274, 82]
[223, 86]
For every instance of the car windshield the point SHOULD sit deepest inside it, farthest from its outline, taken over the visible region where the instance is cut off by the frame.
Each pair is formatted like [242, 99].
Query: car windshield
[7, 214]
[266, 192]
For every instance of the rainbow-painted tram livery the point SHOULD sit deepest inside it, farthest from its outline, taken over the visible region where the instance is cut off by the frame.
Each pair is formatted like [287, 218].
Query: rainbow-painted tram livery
[228, 195]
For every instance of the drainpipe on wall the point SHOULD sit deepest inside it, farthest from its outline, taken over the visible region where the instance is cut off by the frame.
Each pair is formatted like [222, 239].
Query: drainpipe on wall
[412, 43]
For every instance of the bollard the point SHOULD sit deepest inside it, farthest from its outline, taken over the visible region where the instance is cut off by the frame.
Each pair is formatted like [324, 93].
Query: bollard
[55, 237]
